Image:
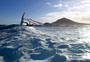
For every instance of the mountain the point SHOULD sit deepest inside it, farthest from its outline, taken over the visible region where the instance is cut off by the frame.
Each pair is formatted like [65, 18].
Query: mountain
[61, 21]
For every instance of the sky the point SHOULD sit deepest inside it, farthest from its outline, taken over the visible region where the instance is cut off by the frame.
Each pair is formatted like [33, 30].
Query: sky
[44, 10]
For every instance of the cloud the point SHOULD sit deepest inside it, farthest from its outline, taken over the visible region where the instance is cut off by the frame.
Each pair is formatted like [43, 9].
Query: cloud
[75, 16]
[77, 10]
[58, 5]
[82, 5]
[48, 3]
[66, 5]
[85, 1]
[74, 5]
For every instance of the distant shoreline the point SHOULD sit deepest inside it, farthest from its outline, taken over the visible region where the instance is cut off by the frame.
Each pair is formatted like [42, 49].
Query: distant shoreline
[64, 21]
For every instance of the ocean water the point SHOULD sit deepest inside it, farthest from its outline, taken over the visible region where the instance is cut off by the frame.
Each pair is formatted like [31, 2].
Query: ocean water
[66, 43]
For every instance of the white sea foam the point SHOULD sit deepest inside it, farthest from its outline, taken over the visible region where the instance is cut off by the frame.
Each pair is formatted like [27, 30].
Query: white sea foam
[72, 42]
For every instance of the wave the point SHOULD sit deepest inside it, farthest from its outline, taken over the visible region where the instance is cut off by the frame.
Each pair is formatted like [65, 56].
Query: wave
[8, 26]
[27, 44]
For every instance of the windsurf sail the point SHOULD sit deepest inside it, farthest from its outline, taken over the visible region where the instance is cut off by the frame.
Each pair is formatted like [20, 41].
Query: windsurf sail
[22, 19]
[34, 22]
[31, 21]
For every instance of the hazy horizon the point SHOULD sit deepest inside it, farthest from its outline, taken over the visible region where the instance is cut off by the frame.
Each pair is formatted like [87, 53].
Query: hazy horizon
[44, 10]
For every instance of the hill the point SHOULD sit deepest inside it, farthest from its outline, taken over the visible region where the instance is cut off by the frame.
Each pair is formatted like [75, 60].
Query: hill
[62, 21]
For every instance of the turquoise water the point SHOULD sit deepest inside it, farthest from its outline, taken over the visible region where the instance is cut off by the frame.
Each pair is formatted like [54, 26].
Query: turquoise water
[69, 43]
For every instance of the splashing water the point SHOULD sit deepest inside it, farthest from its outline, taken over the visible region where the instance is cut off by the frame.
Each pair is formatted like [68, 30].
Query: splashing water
[45, 44]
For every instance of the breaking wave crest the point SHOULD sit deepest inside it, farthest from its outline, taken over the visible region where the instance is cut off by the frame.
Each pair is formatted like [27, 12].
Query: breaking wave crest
[27, 44]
